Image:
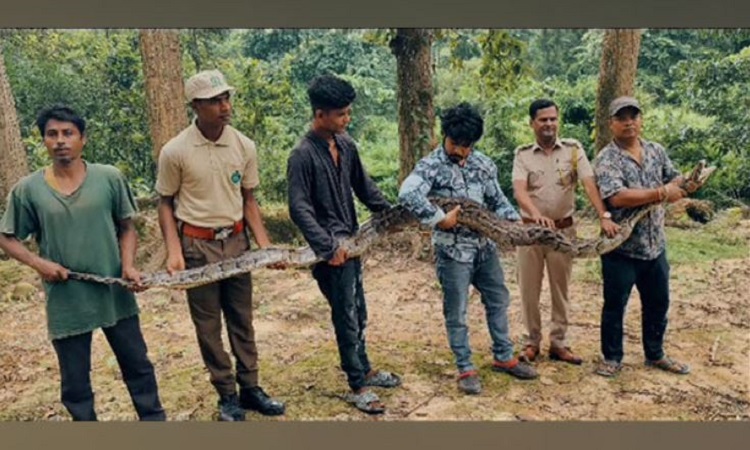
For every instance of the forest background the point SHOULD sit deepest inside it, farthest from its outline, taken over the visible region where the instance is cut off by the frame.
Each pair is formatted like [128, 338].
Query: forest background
[694, 86]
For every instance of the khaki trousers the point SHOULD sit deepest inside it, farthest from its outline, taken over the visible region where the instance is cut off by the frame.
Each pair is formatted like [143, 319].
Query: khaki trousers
[531, 263]
[233, 297]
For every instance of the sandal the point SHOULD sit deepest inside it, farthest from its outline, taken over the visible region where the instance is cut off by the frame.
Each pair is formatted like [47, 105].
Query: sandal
[383, 379]
[608, 368]
[669, 365]
[366, 401]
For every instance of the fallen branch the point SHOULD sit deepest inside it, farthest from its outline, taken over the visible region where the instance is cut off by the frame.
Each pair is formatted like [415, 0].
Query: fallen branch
[714, 348]
[421, 404]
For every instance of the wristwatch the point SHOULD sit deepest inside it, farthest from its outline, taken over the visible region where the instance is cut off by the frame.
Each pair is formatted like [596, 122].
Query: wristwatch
[606, 215]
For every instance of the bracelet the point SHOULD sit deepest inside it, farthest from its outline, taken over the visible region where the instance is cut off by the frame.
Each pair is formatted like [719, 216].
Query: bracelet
[661, 193]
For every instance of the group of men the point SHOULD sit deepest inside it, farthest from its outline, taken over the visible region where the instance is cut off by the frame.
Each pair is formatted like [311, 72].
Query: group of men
[81, 215]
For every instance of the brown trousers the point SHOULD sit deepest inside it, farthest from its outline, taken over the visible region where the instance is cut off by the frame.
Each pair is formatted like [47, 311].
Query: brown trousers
[531, 262]
[233, 297]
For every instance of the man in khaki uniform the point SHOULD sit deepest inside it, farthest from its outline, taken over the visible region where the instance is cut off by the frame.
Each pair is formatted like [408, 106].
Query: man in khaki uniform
[206, 178]
[545, 175]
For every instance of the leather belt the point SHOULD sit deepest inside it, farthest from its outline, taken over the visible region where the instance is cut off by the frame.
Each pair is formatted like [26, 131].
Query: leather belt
[559, 224]
[212, 234]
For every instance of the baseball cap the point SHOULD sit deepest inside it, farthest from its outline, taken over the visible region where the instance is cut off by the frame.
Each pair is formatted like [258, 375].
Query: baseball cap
[206, 84]
[623, 102]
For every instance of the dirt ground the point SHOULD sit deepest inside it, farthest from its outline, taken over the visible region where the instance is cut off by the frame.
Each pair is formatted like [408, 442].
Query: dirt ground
[709, 328]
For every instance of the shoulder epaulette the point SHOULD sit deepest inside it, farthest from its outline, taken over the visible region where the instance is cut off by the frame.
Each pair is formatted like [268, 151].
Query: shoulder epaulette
[571, 141]
[523, 147]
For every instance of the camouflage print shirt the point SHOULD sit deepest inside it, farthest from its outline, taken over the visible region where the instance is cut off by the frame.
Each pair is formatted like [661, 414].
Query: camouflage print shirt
[615, 171]
[435, 175]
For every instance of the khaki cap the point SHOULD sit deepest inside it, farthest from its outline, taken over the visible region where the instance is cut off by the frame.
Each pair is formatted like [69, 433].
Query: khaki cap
[206, 84]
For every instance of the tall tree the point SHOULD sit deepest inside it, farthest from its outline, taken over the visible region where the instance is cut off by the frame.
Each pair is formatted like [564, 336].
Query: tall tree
[13, 162]
[416, 114]
[620, 50]
[162, 69]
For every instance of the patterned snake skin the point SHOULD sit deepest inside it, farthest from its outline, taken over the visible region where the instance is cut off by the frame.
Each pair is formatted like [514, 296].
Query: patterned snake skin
[472, 216]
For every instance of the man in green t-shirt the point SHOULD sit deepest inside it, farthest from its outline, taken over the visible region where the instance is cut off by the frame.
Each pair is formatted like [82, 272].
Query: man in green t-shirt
[81, 215]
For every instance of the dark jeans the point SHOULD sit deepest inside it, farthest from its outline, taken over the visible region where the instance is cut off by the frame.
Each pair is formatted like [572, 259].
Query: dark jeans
[651, 278]
[126, 341]
[342, 287]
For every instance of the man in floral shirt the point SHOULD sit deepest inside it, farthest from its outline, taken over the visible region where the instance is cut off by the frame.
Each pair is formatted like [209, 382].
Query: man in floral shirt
[464, 257]
[632, 172]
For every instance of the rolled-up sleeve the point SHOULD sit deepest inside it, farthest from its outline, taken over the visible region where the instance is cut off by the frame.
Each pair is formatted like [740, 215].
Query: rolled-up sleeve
[413, 195]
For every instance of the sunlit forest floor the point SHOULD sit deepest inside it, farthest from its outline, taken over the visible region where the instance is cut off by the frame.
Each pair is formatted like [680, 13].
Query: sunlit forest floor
[709, 328]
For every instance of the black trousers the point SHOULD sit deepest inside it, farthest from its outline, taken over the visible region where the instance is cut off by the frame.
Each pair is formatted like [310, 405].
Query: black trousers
[651, 278]
[342, 287]
[126, 340]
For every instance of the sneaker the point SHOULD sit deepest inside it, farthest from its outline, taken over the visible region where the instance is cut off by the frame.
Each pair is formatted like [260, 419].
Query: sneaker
[516, 368]
[229, 409]
[468, 383]
[255, 399]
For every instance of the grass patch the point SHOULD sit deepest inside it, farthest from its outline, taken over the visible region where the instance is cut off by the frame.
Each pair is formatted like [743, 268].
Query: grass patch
[703, 245]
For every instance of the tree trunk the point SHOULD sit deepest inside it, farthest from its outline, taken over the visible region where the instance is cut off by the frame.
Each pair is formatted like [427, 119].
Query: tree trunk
[13, 161]
[416, 115]
[162, 69]
[616, 76]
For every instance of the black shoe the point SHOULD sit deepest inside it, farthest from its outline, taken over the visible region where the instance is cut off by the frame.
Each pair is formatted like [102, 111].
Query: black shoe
[229, 409]
[256, 399]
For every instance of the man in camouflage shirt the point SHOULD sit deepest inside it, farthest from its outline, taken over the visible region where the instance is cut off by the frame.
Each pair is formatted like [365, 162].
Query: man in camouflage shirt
[456, 170]
[632, 172]
[545, 176]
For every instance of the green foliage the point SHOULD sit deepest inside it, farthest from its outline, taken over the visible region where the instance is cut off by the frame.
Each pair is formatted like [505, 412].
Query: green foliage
[203, 47]
[694, 85]
[379, 151]
[99, 74]
[503, 60]
[273, 44]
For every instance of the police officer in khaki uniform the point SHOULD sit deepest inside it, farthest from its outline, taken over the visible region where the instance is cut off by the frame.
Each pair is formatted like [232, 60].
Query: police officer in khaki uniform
[206, 178]
[545, 175]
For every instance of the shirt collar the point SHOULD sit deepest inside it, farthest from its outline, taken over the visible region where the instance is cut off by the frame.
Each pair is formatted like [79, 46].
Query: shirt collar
[443, 156]
[536, 146]
[322, 143]
[200, 140]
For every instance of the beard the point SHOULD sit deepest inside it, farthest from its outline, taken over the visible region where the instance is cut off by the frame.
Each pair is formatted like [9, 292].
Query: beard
[65, 160]
[455, 159]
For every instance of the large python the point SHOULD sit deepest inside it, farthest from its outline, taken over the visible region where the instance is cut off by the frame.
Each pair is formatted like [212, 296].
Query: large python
[472, 216]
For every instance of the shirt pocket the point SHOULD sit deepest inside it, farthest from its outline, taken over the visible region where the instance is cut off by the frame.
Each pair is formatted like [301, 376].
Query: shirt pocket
[534, 179]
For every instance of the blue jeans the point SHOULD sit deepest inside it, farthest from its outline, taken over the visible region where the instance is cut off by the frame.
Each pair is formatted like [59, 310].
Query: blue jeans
[486, 274]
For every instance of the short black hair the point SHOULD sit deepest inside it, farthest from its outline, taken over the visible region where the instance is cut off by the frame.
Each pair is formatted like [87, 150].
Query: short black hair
[541, 103]
[328, 92]
[462, 123]
[60, 113]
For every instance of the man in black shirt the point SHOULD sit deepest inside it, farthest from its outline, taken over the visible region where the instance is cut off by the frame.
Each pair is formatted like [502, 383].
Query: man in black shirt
[322, 172]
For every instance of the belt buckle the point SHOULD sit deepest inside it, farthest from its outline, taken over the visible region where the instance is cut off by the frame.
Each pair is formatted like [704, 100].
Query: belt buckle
[223, 234]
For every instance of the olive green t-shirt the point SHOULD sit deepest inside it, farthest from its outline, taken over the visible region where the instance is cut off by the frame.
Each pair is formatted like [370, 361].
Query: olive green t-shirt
[77, 231]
